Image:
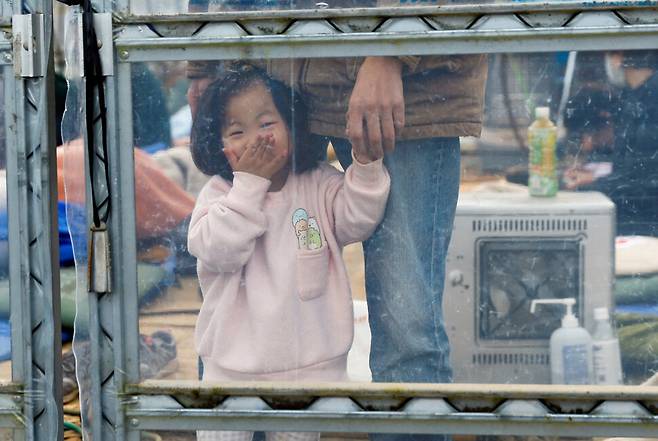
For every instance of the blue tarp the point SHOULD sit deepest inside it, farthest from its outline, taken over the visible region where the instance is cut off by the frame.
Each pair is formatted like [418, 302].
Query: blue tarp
[77, 218]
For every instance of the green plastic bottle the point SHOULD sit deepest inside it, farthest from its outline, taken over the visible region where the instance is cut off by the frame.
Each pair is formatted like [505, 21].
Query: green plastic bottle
[542, 136]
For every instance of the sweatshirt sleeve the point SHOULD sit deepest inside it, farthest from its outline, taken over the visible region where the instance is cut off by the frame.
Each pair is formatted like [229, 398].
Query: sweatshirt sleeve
[358, 200]
[225, 225]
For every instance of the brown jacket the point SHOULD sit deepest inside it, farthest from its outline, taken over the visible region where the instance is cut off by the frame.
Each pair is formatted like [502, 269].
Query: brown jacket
[444, 95]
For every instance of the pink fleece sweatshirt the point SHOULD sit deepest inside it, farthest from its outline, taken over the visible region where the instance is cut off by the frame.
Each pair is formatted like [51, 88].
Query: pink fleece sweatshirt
[276, 294]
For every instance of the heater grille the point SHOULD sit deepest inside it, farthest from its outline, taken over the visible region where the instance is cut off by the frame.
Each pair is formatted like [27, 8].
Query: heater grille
[530, 224]
[511, 358]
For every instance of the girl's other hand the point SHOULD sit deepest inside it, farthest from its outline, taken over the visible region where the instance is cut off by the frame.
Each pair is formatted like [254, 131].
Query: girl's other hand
[260, 158]
[195, 91]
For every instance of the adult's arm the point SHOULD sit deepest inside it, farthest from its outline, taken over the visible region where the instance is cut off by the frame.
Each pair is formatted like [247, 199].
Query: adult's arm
[376, 109]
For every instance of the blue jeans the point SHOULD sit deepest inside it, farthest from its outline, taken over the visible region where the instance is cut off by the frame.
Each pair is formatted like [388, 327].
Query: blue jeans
[405, 263]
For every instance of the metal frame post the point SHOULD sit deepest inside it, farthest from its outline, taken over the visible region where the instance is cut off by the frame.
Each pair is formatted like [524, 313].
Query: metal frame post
[33, 238]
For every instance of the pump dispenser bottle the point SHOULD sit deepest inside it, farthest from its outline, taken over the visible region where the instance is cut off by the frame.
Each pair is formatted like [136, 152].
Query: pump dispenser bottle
[605, 350]
[570, 345]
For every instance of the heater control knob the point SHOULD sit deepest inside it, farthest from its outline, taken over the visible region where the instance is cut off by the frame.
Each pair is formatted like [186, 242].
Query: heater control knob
[455, 277]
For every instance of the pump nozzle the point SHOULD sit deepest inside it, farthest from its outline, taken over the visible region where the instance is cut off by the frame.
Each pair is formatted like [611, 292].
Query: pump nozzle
[569, 320]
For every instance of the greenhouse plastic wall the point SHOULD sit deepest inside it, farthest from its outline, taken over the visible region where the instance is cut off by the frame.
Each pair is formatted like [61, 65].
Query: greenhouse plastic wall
[142, 363]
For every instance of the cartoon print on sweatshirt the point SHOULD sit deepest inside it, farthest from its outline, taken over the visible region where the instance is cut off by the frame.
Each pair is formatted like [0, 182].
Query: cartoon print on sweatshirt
[300, 223]
[314, 238]
[307, 230]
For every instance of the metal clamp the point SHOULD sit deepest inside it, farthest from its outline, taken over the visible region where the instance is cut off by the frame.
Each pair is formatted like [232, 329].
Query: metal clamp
[29, 45]
[103, 28]
[98, 270]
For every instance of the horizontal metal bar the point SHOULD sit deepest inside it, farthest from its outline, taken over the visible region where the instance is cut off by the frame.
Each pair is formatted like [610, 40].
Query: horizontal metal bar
[9, 388]
[392, 422]
[395, 408]
[6, 56]
[201, 389]
[476, 7]
[390, 44]
[12, 397]
[11, 420]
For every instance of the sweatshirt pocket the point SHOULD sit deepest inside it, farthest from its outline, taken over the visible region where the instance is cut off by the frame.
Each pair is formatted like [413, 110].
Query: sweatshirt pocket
[312, 273]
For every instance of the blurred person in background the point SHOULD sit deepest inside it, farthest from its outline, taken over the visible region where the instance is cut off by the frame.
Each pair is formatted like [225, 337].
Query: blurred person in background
[617, 136]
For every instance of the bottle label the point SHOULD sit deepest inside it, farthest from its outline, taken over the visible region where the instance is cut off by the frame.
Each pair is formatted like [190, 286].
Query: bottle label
[575, 364]
[542, 179]
[607, 362]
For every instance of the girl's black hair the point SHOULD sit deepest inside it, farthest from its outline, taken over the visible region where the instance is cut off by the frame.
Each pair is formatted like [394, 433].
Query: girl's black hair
[206, 137]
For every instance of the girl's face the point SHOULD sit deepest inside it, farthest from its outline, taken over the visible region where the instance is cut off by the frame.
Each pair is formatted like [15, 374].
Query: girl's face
[250, 114]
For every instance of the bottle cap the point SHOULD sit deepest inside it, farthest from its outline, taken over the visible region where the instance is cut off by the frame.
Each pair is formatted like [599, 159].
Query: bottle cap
[542, 112]
[601, 313]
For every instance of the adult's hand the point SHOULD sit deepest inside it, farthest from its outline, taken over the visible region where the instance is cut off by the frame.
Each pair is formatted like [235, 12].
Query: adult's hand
[577, 177]
[376, 107]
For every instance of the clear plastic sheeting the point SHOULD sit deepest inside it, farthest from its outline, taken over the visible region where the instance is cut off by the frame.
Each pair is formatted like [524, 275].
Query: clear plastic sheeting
[78, 356]
[260, 294]
[5, 330]
[486, 219]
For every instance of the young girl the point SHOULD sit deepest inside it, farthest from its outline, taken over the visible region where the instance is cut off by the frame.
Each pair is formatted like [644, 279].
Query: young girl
[268, 231]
